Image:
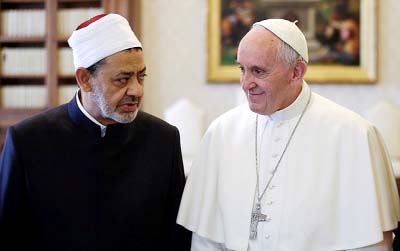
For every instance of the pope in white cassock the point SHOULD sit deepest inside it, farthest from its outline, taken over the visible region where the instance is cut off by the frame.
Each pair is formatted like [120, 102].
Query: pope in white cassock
[290, 170]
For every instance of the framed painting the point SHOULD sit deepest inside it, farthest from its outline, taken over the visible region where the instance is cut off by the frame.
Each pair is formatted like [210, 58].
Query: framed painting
[341, 36]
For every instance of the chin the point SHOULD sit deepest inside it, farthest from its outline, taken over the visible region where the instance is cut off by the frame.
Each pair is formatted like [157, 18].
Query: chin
[125, 117]
[259, 110]
[254, 107]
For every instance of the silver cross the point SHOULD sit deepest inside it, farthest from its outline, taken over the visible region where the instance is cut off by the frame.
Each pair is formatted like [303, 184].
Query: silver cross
[256, 217]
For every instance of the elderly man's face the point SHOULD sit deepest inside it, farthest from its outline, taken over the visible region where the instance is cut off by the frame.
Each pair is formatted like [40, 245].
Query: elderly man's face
[117, 87]
[265, 79]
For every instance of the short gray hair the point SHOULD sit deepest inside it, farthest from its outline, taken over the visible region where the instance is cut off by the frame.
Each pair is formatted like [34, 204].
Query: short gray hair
[287, 54]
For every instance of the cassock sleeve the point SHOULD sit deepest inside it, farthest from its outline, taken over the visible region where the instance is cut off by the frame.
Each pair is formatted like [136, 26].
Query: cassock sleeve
[198, 210]
[179, 238]
[203, 244]
[385, 245]
[15, 219]
[385, 183]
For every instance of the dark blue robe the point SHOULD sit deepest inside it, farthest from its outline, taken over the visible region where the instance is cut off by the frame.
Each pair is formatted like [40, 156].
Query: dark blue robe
[64, 187]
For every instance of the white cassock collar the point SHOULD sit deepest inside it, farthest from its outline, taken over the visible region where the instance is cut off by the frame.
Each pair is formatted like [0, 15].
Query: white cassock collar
[103, 128]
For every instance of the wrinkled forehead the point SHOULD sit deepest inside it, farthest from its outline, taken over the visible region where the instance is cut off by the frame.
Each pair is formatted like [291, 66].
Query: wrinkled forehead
[261, 39]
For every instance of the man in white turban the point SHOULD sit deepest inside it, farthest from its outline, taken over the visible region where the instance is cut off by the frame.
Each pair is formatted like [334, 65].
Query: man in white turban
[290, 170]
[95, 173]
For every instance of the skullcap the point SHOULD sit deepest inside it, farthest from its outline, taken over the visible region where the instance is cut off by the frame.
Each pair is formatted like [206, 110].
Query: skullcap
[288, 32]
[100, 37]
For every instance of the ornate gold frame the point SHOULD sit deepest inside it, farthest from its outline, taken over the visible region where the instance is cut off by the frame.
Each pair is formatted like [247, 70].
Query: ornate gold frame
[366, 72]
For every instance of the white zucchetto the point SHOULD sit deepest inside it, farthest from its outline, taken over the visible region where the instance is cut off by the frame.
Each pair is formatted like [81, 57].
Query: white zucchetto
[288, 32]
[100, 37]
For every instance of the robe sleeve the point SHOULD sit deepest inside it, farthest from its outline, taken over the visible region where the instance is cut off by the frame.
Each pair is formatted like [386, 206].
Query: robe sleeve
[199, 211]
[178, 238]
[15, 214]
[385, 183]
[385, 245]
[203, 244]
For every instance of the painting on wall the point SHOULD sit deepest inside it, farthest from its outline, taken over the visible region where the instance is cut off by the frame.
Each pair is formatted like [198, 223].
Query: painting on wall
[341, 36]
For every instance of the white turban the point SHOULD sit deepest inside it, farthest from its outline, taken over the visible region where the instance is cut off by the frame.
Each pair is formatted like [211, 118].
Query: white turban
[100, 37]
[288, 32]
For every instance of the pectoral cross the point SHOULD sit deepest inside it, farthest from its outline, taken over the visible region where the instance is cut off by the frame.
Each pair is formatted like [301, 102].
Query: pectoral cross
[256, 217]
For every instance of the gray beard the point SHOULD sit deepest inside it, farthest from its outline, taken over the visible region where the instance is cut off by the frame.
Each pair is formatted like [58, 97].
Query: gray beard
[107, 111]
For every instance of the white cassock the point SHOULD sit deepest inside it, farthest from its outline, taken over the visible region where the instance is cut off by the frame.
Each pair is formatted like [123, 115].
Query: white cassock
[334, 188]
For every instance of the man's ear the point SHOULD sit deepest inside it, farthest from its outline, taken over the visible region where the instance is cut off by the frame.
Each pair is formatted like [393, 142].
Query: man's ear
[299, 71]
[83, 77]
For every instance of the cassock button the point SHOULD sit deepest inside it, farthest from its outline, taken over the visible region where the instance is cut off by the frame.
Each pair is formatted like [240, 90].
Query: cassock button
[272, 187]
[275, 155]
[279, 124]
[267, 236]
[269, 203]
[277, 139]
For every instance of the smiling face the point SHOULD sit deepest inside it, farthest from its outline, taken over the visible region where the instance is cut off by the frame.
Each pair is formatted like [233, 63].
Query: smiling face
[114, 91]
[269, 83]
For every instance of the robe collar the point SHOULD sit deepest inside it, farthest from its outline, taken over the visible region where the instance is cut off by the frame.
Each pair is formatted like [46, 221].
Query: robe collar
[103, 128]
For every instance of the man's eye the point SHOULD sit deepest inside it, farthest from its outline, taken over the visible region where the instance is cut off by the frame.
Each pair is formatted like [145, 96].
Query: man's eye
[123, 80]
[241, 69]
[142, 76]
[258, 73]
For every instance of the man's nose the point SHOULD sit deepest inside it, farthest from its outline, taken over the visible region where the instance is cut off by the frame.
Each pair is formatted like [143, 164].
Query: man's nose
[247, 81]
[135, 88]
